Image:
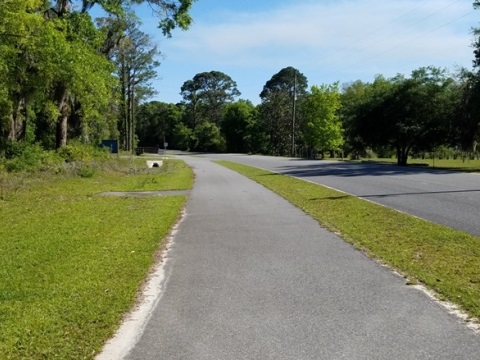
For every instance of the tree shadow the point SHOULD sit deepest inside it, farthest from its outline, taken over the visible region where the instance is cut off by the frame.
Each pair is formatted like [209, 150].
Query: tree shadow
[353, 169]
[419, 193]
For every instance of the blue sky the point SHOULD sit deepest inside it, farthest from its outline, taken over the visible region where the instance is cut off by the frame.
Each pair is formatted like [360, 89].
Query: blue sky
[327, 40]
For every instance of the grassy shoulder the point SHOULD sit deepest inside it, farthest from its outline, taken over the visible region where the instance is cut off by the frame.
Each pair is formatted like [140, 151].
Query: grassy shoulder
[445, 260]
[73, 261]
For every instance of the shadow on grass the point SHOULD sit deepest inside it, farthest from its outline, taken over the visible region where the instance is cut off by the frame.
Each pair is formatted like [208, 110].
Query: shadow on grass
[342, 197]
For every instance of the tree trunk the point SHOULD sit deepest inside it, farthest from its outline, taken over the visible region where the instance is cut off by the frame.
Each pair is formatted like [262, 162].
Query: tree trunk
[128, 119]
[62, 121]
[11, 132]
[132, 120]
[61, 136]
[78, 129]
[402, 155]
[125, 105]
[17, 121]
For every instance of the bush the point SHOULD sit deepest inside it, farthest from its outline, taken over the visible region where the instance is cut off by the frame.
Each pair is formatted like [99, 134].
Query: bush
[26, 157]
[85, 172]
[75, 151]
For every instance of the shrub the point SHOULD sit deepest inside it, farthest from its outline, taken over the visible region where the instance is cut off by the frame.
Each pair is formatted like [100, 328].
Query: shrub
[85, 172]
[27, 157]
[22, 156]
[81, 152]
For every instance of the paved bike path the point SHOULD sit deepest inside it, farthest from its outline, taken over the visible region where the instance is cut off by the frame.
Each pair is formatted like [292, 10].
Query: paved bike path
[250, 276]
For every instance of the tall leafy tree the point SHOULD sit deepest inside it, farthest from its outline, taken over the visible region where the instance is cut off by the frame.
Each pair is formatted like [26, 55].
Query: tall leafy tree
[82, 83]
[322, 130]
[206, 96]
[408, 112]
[55, 69]
[22, 30]
[209, 138]
[466, 123]
[156, 122]
[352, 96]
[135, 57]
[280, 97]
[171, 14]
[184, 138]
[238, 126]
[190, 92]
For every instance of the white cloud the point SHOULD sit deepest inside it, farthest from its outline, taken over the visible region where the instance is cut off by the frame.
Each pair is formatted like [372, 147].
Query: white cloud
[333, 31]
[327, 40]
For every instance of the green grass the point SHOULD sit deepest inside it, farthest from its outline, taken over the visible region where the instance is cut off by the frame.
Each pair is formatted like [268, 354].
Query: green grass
[445, 260]
[72, 261]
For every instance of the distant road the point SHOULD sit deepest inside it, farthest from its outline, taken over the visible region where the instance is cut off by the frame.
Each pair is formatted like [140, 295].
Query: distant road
[444, 197]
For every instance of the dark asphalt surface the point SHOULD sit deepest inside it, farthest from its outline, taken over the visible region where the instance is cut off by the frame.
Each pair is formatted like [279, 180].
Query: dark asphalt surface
[444, 197]
[250, 276]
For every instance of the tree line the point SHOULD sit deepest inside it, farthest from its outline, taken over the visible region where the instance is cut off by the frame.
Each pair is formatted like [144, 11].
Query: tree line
[65, 76]
[290, 119]
[400, 116]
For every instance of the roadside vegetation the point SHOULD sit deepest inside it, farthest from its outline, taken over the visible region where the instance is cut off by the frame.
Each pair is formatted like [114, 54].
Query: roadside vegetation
[72, 261]
[445, 260]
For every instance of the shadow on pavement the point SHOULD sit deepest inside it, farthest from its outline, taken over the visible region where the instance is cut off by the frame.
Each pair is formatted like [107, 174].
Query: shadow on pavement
[352, 170]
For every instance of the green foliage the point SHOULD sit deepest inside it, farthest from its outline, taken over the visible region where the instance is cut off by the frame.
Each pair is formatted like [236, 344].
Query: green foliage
[206, 96]
[278, 96]
[238, 125]
[26, 157]
[209, 138]
[322, 128]
[176, 14]
[135, 58]
[184, 138]
[406, 112]
[76, 151]
[288, 80]
[382, 152]
[466, 127]
[156, 121]
[54, 60]
[352, 96]
[85, 172]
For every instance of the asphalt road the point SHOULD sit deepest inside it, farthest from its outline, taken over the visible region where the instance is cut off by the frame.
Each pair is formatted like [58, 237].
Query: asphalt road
[444, 197]
[250, 276]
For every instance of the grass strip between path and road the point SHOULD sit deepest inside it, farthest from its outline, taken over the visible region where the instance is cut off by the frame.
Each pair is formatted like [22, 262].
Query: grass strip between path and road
[445, 260]
[72, 262]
